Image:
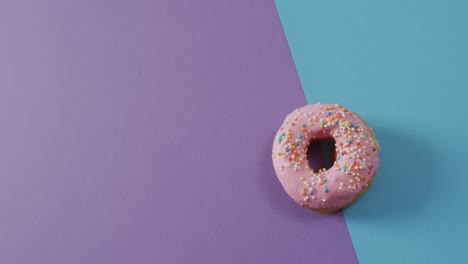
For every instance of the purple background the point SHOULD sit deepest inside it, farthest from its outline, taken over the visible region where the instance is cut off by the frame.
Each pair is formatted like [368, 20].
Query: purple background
[141, 132]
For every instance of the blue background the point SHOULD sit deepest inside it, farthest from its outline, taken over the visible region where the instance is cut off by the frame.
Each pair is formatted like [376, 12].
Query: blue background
[403, 66]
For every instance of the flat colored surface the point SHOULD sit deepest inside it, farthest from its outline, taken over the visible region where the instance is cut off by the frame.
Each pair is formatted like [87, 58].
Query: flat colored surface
[141, 132]
[403, 66]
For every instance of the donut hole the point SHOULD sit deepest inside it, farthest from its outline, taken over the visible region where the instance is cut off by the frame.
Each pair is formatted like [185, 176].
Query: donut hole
[321, 153]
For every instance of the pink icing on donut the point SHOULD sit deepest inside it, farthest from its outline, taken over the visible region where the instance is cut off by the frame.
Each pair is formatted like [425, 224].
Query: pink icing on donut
[357, 159]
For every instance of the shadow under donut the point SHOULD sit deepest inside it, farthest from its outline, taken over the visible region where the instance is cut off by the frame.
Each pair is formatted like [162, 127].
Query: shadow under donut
[402, 183]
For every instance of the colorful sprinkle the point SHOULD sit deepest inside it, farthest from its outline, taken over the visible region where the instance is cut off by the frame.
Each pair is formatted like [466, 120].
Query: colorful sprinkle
[281, 137]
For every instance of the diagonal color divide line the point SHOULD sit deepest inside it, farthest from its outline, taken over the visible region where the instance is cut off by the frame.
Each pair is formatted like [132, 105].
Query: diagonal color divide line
[141, 132]
[401, 65]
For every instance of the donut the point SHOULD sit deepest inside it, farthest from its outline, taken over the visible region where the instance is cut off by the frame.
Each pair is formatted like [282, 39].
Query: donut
[356, 157]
